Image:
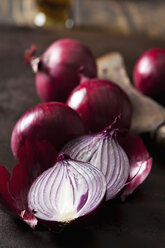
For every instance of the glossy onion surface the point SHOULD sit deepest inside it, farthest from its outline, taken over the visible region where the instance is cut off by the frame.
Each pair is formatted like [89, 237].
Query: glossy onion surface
[149, 72]
[99, 102]
[57, 73]
[53, 121]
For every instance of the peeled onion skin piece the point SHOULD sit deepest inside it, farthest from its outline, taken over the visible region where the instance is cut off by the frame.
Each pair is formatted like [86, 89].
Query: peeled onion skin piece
[140, 162]
[67, 191]
[104, 152]
[149, 72]
[57, 69]
[98, 102]
[34, 158]
[53, 121]
[5, 198]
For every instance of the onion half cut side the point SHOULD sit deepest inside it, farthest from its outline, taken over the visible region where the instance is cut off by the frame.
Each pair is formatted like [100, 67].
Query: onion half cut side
[103, 151]
[67, 191]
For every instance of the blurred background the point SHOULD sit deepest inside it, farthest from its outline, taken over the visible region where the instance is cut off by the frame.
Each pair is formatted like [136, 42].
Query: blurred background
[118, 16]
[129, 27]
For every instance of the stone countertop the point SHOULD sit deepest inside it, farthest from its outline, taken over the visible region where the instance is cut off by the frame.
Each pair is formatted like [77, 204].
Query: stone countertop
[140, 221]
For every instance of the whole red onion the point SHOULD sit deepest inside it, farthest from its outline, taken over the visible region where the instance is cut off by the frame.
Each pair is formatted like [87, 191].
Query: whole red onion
[53, 121]
[98, 102]
[149, 72]
[57, 69]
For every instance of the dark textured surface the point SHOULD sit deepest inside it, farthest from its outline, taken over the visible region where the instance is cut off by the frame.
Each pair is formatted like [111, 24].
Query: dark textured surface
[140, 221]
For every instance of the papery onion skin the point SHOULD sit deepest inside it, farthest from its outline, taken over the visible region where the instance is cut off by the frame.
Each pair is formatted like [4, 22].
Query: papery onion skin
[34, 157]
[104, 152]
[52, 121]
[5, 199]
[67, 191]
[98, 102]
[57, 73]
[140, 162]
[149, 72]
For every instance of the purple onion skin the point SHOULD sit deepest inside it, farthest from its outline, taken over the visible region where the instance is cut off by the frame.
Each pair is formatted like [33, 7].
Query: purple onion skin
[140, 162]
[149, 72]
[57, 73]
[34, 157]
[53, 121]
[98, 102]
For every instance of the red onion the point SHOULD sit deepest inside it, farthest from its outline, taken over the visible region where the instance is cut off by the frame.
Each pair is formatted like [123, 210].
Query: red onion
[105, 150]
[98, 102]
[57, 68]
[72, 189]
[67, 191]
[52, 121]
[149, 72]
[34, 158]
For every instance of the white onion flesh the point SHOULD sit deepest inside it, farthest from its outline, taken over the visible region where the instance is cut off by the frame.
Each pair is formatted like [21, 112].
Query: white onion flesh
[104, 152]
[66, 191]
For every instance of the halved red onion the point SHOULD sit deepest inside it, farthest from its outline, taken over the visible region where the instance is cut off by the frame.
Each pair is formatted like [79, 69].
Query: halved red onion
[67, 191]
[94, 148]
[34, 158]
[104, 152]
